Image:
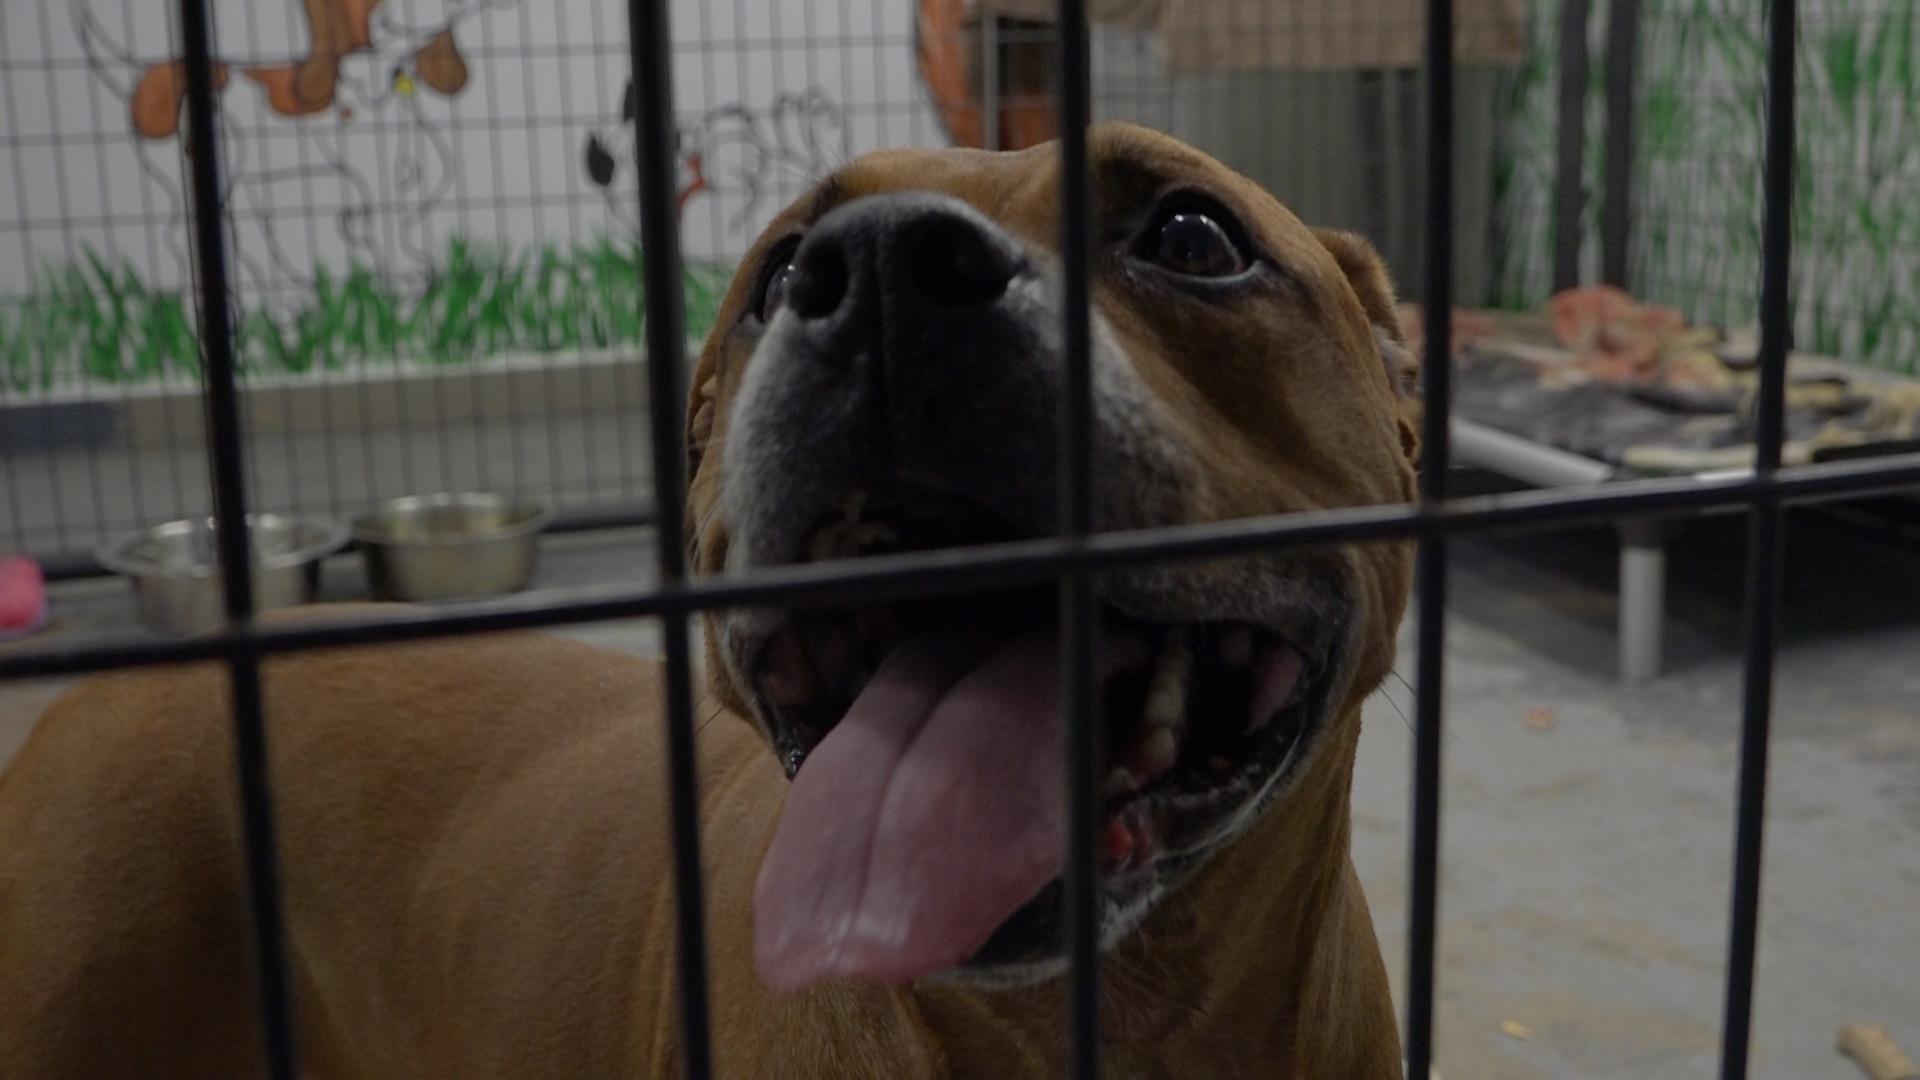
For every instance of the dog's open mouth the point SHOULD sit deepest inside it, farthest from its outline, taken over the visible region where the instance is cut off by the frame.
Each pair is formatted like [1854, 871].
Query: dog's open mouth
[1193, 713]
[926, 821]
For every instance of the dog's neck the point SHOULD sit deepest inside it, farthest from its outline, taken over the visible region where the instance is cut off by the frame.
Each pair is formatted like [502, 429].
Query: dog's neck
[1226, 964]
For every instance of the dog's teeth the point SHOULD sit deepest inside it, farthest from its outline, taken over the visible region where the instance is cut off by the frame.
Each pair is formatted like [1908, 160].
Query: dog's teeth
[1121, 782]
[1158, 751]
[1236, 647]
[1166, 703]
[1163, 710]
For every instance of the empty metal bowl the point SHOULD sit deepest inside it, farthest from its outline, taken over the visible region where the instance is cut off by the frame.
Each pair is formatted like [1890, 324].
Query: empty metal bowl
[438, 547]
[175, 572]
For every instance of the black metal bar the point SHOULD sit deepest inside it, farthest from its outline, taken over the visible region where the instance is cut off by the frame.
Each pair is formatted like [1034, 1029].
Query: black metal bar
[990, 90]
[1570, 135]
[1430, 575]
[1430, 570]
[1021, 563]
[1436, 365]
[657, 138]
[226, 449]
[1077, 625]
[1616, 209]
[1764, 554]
[1076, 416]
[1763, 606]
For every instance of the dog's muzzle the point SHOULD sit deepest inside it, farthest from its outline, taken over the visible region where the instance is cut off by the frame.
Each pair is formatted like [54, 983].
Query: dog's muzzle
[916, 357]
[905, 397]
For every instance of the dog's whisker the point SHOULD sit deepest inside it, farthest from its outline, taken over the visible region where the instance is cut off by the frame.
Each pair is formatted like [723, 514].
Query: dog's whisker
[1386, 694]
[718, 708]
[1383, 694]
[1401, 679]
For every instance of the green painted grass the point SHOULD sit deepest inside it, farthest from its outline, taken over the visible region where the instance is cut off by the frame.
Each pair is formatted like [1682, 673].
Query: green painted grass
[1700, 119]
[92, 322]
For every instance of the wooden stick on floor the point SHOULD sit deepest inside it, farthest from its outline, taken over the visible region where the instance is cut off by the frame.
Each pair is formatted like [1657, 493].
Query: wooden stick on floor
[1873, 1049]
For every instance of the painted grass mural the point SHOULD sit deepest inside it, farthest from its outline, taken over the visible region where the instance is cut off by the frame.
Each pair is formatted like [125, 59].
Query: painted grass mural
[1699, 119]
[1699, 115]
[96, 323]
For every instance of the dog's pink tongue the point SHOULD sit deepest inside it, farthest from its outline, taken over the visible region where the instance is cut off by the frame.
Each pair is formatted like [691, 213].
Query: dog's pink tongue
[925, 818]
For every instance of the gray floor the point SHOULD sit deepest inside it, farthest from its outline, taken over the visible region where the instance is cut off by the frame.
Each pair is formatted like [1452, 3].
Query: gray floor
[1588, 827]
[1586, 855]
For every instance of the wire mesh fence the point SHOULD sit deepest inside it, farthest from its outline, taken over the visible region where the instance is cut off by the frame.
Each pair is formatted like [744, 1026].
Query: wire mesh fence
[437, 268]
[213, 354]
[435, 247]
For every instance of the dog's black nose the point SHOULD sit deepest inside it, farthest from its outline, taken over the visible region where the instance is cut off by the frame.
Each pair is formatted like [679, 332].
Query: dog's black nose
[896, 262]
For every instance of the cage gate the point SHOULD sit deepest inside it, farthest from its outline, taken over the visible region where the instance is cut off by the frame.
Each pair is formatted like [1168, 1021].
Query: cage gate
[1068, 560]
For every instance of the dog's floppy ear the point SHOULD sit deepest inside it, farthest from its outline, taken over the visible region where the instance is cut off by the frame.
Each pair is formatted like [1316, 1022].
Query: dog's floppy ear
[1367, 274]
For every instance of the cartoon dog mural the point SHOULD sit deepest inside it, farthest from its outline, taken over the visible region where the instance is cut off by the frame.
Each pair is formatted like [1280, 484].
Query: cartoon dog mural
[370, 61]
[731, 150]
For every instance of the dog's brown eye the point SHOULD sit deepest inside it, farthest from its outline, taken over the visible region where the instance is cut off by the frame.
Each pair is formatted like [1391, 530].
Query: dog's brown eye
[1191, 243]
[774, 293]
[776, 273]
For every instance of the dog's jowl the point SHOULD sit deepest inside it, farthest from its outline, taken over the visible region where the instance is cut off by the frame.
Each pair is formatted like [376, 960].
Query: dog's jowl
[474, 853]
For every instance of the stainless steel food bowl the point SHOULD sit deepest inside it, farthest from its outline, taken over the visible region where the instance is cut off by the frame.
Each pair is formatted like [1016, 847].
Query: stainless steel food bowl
[438, 547]
[175, 572]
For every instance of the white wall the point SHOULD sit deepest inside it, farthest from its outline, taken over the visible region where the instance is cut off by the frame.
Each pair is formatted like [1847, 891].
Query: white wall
[386, 177]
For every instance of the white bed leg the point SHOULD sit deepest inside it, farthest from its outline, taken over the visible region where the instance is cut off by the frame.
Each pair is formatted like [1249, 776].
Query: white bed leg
[1643, 596]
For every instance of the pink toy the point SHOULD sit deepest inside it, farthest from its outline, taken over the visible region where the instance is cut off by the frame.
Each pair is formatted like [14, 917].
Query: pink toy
[23, 597]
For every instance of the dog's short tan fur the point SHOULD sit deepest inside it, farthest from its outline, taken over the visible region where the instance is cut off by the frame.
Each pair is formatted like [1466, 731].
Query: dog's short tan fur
[471, 832]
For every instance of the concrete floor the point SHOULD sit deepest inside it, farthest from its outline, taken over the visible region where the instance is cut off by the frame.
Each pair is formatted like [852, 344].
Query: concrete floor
[1586, 859]
[1588, 827]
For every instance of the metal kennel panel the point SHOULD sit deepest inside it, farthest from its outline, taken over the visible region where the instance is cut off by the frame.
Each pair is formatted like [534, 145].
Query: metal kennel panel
[367, 363]
[1069, 559]
[435, 278]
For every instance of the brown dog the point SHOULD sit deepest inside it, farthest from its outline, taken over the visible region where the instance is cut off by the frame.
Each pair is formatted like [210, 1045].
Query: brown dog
[472, 836]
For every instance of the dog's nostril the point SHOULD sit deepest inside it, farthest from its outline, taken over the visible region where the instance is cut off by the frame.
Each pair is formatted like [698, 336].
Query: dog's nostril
[819, 281]
[950, 260]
